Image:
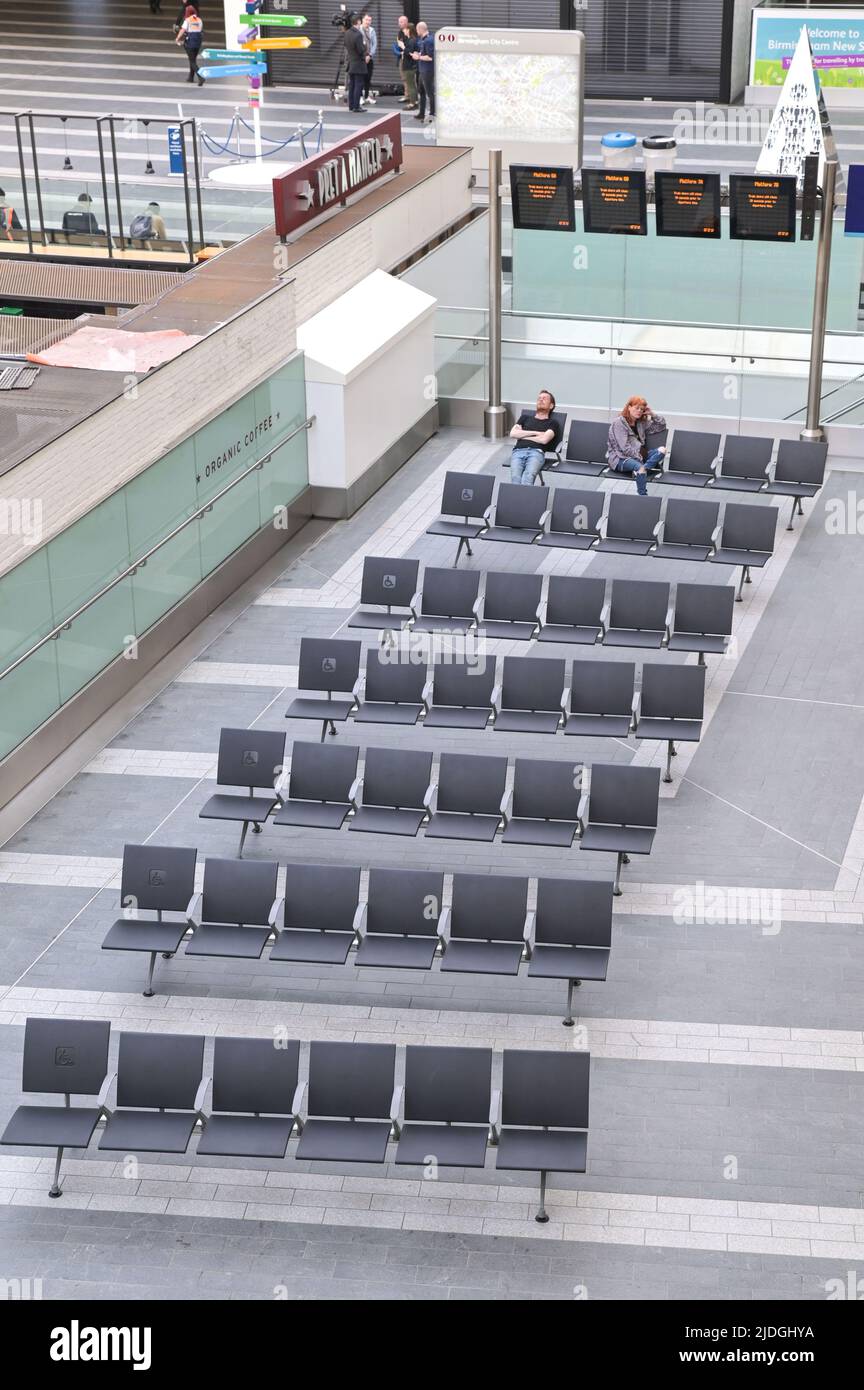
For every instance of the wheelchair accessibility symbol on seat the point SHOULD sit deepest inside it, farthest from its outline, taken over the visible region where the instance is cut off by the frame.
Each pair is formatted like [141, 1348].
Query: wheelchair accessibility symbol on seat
[249, 758]
[328, 665]
[157, 878]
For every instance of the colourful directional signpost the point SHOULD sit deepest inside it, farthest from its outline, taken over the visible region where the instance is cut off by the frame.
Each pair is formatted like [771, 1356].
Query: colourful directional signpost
[270, 45]
[287, 21]
[247, 69]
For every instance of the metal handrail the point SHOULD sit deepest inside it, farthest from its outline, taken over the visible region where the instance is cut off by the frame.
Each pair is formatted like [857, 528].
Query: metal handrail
[142, 559]
[467, 336]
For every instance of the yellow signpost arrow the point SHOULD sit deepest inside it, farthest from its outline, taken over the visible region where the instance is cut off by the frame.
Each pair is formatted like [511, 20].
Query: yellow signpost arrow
[266, 45]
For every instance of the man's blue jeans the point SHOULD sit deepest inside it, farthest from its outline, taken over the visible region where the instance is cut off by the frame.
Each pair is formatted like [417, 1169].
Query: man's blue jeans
[525, 464]
[653, 459]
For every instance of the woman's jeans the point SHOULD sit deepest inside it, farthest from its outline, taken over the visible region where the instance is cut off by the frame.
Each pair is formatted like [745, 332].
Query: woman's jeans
[653, 459]
[525, 464]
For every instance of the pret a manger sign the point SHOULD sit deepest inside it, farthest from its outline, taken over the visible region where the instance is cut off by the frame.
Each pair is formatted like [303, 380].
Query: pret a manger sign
[326, 180]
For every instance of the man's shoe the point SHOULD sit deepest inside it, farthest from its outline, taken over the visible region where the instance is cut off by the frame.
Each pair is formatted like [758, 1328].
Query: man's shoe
[200, 81]
[420, 118]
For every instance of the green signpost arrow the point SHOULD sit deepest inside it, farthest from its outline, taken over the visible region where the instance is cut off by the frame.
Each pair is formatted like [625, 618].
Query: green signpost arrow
[256, 21]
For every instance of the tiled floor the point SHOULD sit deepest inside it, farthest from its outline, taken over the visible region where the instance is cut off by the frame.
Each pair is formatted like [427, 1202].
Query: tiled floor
[725, 1151]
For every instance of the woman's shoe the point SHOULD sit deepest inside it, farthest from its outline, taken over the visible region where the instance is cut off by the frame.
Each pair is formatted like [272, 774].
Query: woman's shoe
[190, 78]
[200, 80]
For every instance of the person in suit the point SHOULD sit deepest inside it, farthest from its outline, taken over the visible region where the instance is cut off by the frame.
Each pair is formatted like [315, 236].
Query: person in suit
[355, 52]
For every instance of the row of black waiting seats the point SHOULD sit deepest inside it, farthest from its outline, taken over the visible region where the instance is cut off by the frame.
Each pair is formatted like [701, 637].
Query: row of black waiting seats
[577, 520]
[700, 458]
[348, 1107]
[575, 609]
[56, 236]
[535, 695]
[403, 923]
[548, 804]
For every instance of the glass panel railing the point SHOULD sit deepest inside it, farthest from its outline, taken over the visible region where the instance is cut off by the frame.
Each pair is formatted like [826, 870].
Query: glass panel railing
[84, 597]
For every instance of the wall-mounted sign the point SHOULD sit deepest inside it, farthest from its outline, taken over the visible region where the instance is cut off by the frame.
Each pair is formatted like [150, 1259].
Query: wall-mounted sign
[687, 204]
[855, 201]
[517, 90]
[614, 200]
[542, 199]
[761, 209]
[326, 180]
[836, 39]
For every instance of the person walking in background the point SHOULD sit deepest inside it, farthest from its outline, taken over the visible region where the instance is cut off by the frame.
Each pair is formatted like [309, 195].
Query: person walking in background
[355, 51]
[627, 450]
[9, 220]
[534, 434]
[424, 56]
[191, 35]
[370, 39]
[406, 41]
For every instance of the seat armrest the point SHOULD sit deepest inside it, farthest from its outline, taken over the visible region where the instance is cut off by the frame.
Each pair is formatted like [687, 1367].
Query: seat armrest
[495, 1118]
[605, 613]
[476, 607]
[416, 600]
[396, 1105]
[487, 515]
[507, 805]
[426, 694]
[354, 790]
[444, 927]
[200, 1098]
[359, 923]
[581, 810]
[275, 911]
[495, 697]
[429, 795]
[358, 689]
[298, 1105]
[565, 699]
[544, 517]
[657, 529]
[670, 617]
[601, 524]
[102, 1098]
[193, 909]
[714, 464]
[636, 705]
[715, 536]
[528, 933]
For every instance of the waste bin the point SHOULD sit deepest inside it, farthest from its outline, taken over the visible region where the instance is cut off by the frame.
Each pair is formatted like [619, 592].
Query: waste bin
[619, 149]
[659, 152]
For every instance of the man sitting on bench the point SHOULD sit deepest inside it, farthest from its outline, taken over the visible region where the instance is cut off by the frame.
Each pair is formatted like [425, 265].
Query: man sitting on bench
[534, 434]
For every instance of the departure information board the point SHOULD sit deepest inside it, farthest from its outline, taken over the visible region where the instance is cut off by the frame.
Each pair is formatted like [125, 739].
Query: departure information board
[687, 204]
[761, 208]
[613, 200]
[542, 199]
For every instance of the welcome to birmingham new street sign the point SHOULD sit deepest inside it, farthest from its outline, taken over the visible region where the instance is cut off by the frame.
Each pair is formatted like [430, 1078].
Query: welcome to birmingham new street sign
[328, 179]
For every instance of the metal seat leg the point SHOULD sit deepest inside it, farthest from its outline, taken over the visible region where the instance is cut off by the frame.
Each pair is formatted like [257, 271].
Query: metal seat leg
[542, 1216]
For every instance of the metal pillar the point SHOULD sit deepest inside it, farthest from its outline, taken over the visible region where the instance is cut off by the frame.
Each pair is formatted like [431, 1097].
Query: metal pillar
[494, 416]
[813, 430]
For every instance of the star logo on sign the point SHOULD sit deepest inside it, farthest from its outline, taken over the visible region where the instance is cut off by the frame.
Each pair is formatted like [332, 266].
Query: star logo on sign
[306, 191]
[387, 146]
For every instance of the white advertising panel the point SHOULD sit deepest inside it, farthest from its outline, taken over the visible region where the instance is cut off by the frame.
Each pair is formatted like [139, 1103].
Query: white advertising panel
[518, 90]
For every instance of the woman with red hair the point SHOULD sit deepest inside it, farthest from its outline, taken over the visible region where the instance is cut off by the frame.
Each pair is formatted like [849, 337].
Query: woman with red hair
[191, 36]
[627, 450]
